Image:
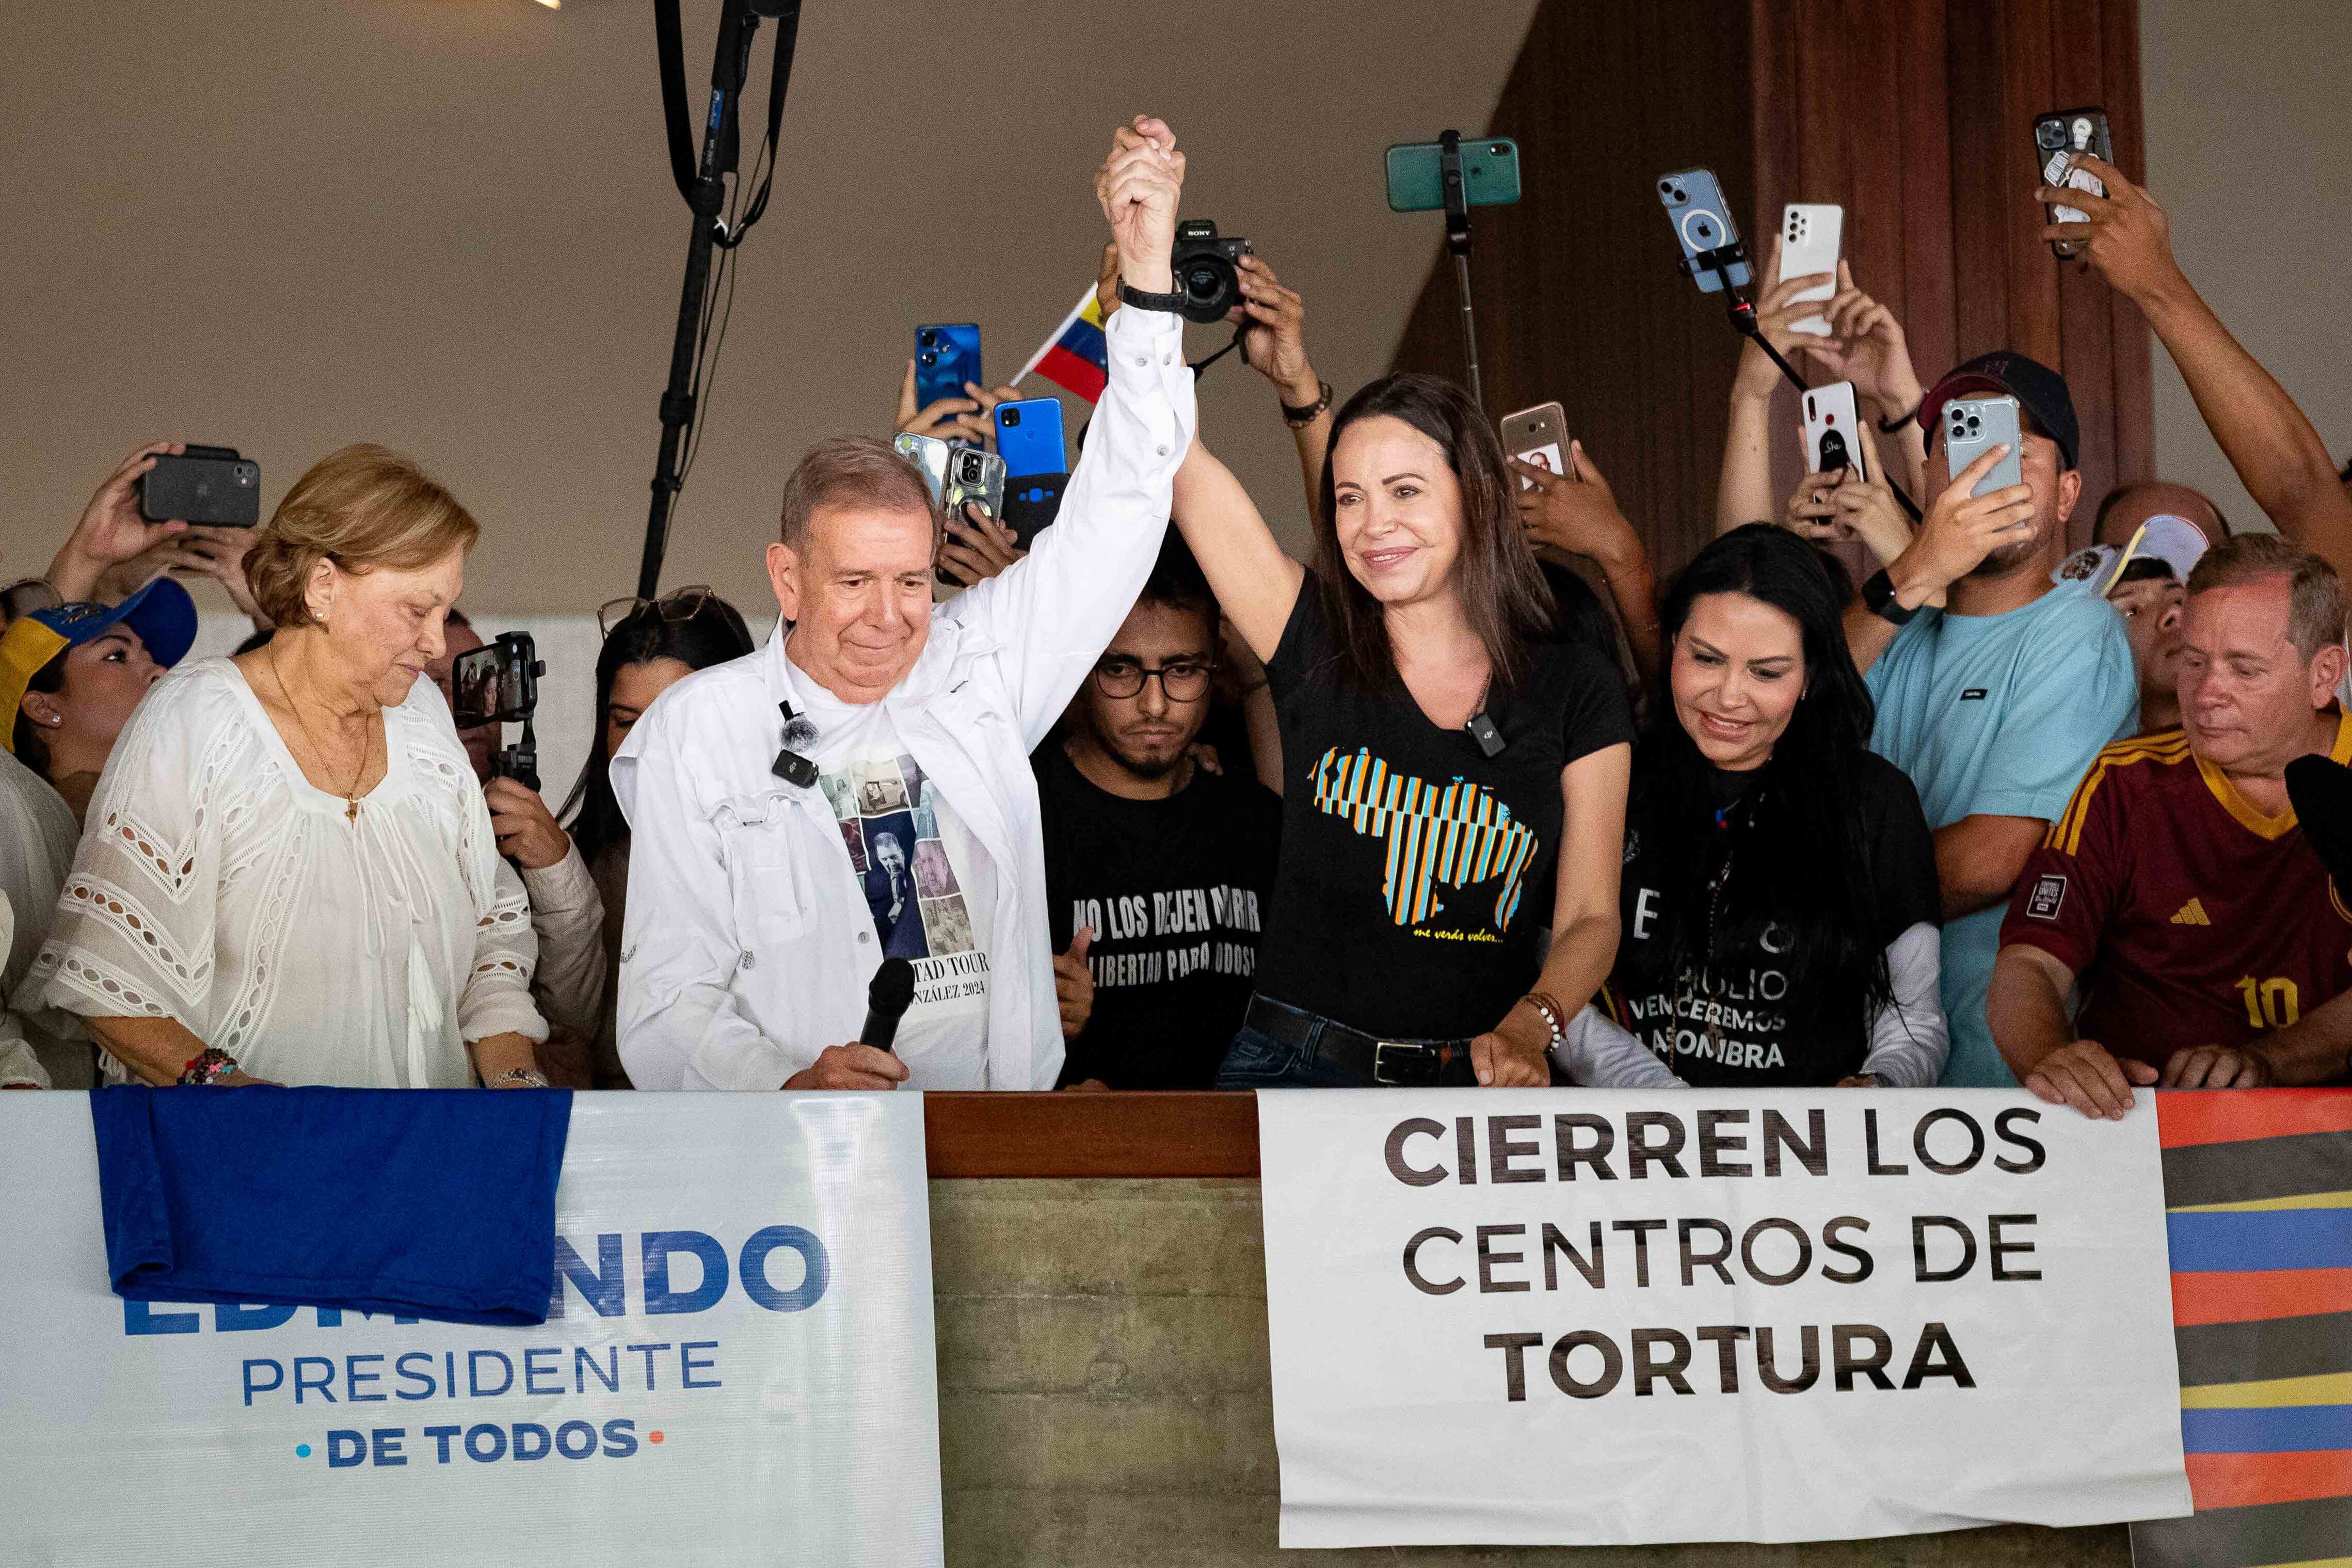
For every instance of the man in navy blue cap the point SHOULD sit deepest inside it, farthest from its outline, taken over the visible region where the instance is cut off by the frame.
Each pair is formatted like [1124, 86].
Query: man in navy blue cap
[1996, 686]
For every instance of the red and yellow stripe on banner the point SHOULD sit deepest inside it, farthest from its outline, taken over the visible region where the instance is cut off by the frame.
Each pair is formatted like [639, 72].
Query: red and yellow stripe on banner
[2258, 1194]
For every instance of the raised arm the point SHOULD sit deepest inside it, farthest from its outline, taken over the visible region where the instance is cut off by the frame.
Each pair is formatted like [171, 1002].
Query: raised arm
[1743, 492]
[1255, 583]
[1578, 512]
[1052, 612]
[1276, 347]
[2282, 462]
[111, 530]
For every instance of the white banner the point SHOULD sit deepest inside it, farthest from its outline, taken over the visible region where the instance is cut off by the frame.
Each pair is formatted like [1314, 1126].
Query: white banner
[742, 1370]
[1528, 1317]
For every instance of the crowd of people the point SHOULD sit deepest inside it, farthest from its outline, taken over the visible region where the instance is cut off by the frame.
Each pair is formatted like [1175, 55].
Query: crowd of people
[1147, 802]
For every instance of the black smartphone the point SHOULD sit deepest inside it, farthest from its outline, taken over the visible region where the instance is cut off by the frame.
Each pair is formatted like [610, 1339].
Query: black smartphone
[497, 683]
[210, 484]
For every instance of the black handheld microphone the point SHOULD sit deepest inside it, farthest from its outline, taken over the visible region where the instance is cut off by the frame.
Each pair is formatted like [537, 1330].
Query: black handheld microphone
[887, 996]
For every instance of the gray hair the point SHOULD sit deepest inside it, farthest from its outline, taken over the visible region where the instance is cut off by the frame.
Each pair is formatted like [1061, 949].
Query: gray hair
[2314, 617]
[851, 470]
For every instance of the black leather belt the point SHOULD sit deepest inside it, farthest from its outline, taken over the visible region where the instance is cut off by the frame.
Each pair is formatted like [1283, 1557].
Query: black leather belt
[1392, 1063]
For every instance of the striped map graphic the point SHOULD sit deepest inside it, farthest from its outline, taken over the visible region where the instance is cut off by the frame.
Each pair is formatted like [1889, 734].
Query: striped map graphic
[1454, 834]
[2258, 1190]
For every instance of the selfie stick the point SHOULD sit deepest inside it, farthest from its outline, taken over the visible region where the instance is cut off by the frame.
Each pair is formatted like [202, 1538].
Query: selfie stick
[704, 188]
[1457, 242]
[1743, 321]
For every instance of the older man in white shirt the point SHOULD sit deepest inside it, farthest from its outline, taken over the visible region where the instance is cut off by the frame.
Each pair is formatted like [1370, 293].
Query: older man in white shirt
[759, 907]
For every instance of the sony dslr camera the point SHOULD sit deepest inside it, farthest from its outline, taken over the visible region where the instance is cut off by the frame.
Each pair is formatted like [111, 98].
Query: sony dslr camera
[1205, 271]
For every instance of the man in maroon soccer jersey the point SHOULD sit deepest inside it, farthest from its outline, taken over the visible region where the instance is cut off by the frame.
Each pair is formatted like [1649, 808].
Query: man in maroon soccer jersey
[2211, 947]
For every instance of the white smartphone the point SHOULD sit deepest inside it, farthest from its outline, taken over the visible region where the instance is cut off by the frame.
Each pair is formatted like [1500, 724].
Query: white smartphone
[1810, 233]
[1537, 435]
[1971, 426]
[1833, 431]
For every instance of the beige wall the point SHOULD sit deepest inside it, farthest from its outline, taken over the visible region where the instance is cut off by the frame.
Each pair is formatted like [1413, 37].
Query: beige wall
[448, 224]
[2249, 152]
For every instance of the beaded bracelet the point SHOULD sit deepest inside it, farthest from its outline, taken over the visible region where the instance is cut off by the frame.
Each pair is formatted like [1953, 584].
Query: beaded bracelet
[207, 1066]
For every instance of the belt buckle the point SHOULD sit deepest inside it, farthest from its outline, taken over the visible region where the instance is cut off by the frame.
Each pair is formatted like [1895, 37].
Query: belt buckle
[1380, 1054]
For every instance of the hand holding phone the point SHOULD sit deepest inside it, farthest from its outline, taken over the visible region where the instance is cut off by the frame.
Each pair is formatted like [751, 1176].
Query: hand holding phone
[1537, 435]
[1974, 425]
[1810, 234]
[1833, 431]
[947, 356]
[2059, 140]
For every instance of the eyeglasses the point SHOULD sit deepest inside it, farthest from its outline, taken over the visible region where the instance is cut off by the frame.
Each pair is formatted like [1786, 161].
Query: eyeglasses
[1184, 680]
[678, 605]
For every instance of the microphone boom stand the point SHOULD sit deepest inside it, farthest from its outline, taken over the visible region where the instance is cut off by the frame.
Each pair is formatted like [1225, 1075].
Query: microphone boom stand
[703, 182]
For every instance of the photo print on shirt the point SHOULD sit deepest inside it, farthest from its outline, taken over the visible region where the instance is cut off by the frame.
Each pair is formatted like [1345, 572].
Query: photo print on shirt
[892, 834]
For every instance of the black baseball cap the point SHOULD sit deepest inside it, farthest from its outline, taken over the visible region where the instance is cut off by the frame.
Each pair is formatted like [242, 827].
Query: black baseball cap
[2039, 390]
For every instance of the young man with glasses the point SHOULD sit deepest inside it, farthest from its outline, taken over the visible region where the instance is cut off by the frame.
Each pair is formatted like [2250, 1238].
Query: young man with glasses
[1156, 870]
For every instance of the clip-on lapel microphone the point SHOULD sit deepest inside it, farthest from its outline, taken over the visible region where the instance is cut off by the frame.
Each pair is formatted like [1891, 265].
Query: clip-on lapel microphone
[789, 765]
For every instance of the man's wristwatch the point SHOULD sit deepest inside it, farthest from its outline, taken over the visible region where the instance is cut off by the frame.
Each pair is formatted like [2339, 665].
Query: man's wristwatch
[1878, 593]
[1131, 295]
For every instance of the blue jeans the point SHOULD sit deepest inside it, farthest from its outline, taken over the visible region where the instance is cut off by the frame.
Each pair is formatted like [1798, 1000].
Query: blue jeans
[1257, 1060]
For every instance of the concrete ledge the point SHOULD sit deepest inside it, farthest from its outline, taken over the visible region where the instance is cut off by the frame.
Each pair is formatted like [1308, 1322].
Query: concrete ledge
[1104, 1397]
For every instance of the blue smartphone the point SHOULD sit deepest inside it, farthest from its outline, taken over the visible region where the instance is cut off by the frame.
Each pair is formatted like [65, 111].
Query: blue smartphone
[1702, 221]
[1490, 175]
[1972, 425]
[946, 356]
[1029, 436]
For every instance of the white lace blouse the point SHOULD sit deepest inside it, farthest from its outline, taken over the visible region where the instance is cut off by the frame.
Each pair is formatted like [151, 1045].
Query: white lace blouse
[217, 886]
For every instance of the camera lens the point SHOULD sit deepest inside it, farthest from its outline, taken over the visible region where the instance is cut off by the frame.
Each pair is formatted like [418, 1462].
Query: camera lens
[2049, 133]
[1500, 149]
[1009, 415]
[1666, 187]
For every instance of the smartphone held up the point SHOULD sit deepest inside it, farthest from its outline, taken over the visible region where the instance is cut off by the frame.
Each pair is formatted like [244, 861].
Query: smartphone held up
[208, 486]
[2060, 140]
[1537, 435]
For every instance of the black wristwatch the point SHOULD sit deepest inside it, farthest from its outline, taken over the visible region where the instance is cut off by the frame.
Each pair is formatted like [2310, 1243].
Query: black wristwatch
[1131, 295]
[1895, 425]
[1878, 593]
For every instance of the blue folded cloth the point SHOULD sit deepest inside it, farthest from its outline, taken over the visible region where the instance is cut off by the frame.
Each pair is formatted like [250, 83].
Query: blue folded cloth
[423, 1203]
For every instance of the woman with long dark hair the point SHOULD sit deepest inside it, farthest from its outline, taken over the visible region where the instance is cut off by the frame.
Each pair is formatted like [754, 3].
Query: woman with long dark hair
[1453, 783]
[650, 645]
[1779, 906]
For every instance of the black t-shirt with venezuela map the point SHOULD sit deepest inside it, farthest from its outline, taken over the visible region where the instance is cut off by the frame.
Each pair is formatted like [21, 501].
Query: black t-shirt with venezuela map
[1415, 870]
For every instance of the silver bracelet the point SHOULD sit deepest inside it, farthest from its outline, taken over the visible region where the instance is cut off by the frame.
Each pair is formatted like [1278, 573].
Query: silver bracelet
[520, 1077]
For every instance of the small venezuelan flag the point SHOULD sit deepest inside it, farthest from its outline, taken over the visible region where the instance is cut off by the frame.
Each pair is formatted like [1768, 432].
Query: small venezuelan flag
[1075, 358]
[2258, 1187]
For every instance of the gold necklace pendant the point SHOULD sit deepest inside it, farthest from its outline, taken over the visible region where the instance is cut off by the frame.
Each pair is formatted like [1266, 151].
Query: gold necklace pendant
[350, 810]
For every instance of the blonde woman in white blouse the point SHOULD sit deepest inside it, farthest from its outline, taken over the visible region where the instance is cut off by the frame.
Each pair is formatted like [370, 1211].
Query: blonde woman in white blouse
[287, 873]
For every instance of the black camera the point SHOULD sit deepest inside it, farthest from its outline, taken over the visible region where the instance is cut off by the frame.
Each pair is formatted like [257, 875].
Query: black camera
[497, 683]
[1205, 271]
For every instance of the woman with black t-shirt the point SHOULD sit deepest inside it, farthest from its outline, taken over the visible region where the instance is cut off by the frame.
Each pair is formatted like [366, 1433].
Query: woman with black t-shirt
[1451, 783]
[1781, 916]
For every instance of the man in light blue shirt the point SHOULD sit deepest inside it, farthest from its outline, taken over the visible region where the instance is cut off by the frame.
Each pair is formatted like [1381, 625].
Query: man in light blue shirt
[1995, 703]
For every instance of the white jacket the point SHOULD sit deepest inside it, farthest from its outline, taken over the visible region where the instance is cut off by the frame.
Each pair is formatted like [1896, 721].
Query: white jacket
[748, 942]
